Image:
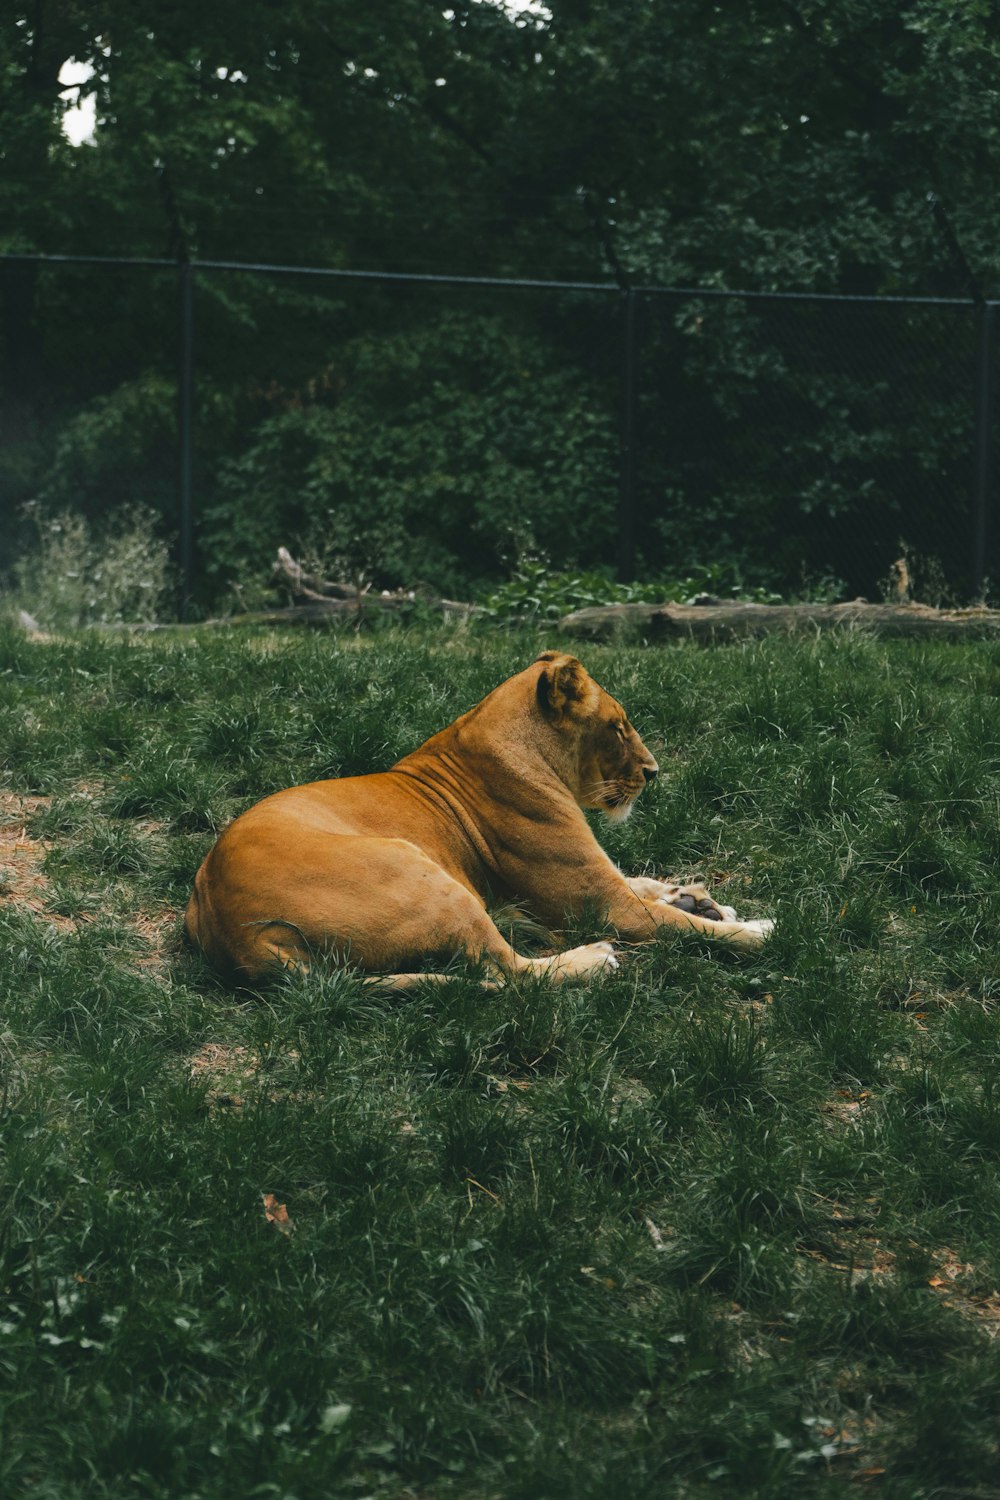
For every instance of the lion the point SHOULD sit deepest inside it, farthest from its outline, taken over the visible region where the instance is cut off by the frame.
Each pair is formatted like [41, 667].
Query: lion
[392, 869]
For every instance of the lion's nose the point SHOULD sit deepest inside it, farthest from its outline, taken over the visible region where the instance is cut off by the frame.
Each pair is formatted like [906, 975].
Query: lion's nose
[650, 772]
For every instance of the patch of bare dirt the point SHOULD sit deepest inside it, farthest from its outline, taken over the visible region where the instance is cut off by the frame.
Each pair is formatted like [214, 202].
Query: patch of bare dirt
[228, 1069]
[862, 1255]
[962, 1286]
[22, 880]
[24, 884]
[162, 935]
[847, 1107]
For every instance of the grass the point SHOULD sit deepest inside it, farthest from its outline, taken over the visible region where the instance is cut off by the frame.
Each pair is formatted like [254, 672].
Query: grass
[710, 1227]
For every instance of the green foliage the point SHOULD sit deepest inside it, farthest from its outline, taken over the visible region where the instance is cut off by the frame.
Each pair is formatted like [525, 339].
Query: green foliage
[431, 455]
[118, 447]
[539, 594]
[765, 146]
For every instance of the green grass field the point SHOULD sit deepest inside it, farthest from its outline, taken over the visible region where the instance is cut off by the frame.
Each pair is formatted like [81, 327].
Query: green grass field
[714, 1226]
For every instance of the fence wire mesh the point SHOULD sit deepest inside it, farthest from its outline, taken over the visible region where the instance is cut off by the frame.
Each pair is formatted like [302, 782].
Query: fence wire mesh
[810, 437]
[432, 430]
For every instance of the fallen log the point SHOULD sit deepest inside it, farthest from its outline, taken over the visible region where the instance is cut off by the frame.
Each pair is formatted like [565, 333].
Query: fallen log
[710, 623]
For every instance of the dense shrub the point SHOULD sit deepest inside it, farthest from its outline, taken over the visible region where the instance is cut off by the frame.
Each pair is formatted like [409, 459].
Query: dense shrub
[437, 453]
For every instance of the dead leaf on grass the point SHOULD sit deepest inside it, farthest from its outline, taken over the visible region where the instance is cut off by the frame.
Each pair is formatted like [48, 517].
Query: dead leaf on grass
[866, 1476]
[961, 1285]
[276, 1213]
[594, 1275]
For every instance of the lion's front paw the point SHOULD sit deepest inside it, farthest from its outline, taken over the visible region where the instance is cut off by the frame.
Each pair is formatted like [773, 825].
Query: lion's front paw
[695, 900]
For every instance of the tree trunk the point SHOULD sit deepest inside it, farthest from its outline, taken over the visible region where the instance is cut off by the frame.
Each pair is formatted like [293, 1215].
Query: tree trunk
[729, 622]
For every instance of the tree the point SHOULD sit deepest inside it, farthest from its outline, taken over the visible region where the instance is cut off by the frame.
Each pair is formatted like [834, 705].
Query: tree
[777, 144]
[778, 141]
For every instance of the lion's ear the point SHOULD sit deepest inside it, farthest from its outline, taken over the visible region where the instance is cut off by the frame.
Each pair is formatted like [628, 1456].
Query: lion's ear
[563, 684]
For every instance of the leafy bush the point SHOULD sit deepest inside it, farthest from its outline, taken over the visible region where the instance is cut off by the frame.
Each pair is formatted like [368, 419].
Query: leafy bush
[440, 453]
[119, 446]
[539, 592]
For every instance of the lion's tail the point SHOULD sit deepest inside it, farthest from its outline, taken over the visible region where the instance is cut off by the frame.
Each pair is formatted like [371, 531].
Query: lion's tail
[192, 920]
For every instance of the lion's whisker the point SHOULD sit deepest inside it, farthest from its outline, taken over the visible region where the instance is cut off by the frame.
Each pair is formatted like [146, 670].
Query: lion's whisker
[601, 789]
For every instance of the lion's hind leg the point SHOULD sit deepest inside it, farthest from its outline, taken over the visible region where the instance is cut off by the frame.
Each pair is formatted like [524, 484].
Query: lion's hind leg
[386, 906]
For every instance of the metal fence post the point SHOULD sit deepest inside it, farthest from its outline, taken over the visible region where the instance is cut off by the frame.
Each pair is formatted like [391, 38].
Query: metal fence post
[185, 429]
[984, 445]
[627, 440]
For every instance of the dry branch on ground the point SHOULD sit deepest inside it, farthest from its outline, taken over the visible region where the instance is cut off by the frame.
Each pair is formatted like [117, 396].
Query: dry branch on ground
[315, 599]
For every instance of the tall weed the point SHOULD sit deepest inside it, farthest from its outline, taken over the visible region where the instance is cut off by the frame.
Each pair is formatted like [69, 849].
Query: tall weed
[75, 572]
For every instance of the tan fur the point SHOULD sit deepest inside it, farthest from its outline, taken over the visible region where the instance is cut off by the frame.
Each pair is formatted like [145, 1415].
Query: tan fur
[394, 868]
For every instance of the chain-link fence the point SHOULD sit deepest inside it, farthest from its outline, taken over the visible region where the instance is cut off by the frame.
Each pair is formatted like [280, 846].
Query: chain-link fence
[430, 429]
[829, 434]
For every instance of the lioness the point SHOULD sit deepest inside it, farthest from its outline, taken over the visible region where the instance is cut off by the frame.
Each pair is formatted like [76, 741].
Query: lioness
[389, 869]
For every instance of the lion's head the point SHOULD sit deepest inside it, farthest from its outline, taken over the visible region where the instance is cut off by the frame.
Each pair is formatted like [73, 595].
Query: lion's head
[607, 765]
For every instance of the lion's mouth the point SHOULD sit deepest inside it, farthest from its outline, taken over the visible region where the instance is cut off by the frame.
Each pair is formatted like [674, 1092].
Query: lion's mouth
[614, 797]
[618, 805]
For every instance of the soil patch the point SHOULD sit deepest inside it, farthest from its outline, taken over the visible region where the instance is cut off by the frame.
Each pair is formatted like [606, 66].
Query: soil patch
[22, 881]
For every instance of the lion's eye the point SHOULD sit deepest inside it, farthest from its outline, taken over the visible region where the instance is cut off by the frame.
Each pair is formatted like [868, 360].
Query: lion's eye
[620, 730]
